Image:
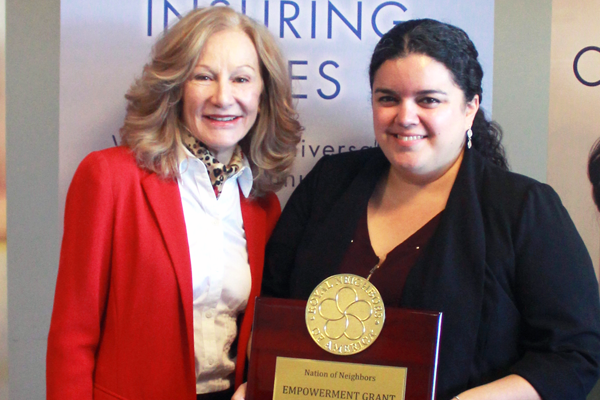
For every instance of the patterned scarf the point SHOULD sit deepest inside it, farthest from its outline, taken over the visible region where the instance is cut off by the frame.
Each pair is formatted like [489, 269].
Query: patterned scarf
[217, 172]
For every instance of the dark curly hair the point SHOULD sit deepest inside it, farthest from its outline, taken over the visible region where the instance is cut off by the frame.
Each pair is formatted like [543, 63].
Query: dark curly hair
[452, 47]
[594, 172]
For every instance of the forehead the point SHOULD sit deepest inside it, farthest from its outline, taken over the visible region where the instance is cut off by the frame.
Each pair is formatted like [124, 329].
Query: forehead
[414, 70]
[229, 45]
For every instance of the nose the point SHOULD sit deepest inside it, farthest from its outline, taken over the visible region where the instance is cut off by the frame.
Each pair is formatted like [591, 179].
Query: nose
[407, 114]
[223, 94]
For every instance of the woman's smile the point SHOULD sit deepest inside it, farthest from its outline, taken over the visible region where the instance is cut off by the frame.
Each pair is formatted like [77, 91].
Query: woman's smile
[407, 138]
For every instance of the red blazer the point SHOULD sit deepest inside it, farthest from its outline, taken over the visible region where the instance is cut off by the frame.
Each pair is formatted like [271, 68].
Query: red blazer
[122, 320]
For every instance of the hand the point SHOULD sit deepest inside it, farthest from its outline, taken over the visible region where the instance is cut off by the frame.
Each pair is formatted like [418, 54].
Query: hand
[240, 393]
[511, 387]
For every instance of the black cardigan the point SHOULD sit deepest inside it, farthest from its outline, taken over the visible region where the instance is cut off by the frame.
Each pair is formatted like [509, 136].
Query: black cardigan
[506, 267]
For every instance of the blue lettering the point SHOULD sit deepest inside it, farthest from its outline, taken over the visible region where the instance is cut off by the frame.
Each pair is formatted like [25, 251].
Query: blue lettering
[330, 79]
[267, 13]
[314, 153]
[331, 9]
[576, 66]
[293, 185]
[293, 77]
[313, 20]
[291, 389]
[149, 17]
[287, 20]
[328, 150]
[356, 29]
[379, 8]
[169, 6]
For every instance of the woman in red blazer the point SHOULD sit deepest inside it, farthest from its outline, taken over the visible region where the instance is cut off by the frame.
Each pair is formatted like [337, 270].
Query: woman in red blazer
[164, 236]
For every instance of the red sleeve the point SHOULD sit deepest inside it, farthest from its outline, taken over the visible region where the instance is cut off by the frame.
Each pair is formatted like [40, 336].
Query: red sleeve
[82, 282]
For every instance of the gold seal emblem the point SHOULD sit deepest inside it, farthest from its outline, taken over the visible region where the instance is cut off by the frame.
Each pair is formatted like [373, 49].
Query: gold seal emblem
[345, 314]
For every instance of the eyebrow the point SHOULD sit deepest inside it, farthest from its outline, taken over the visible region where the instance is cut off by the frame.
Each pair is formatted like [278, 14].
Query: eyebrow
[211, 70]
[419, 93]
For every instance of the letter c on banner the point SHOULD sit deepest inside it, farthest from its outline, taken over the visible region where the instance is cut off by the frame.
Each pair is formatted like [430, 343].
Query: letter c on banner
[576, 68]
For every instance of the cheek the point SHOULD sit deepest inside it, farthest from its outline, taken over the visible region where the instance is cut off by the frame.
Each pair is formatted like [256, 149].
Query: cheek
[382, 118]
[447, 120]
[248, 97]
[192, 103]
[253, 100]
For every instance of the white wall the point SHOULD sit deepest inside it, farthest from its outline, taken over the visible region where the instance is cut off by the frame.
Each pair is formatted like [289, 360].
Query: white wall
[32, 50]
[574, 117]
[521, 78]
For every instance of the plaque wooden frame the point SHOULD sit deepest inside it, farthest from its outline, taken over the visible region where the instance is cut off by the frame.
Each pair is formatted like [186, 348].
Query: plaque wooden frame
[409, 339]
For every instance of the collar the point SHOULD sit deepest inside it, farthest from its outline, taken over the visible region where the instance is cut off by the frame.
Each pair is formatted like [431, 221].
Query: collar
[188, 162]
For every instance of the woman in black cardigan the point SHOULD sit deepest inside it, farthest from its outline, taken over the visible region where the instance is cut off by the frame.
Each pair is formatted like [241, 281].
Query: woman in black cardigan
[436, 218]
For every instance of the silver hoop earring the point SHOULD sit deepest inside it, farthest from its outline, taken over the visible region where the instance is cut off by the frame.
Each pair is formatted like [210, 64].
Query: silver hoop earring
[469, 136]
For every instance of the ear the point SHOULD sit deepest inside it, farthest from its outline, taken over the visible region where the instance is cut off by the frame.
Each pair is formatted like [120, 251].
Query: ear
[471, 109]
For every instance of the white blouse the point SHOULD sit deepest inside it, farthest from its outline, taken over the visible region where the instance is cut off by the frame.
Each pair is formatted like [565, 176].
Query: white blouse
[220, 270]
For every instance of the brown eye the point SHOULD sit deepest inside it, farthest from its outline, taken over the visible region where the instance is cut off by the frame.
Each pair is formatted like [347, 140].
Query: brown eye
[430, 101]
[386, 99]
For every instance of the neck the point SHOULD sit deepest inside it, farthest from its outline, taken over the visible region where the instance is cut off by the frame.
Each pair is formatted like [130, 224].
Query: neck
[438, 177]
[399, 187]
[222, 156]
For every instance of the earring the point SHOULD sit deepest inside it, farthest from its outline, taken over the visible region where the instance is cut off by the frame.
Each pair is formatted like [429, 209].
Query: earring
[469, 136]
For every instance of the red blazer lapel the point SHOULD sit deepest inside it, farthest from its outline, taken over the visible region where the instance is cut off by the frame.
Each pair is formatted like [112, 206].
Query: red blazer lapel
[165, 201]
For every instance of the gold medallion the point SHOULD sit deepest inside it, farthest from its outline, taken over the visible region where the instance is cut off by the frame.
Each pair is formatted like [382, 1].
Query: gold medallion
[345, 314]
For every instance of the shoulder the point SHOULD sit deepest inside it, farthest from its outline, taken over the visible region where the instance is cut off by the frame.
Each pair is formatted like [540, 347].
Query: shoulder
[115, 164]
[112, 170]
[512, 190]
[115, 158]
[350, 176]
[351, 161]
[520, 209]
[339, 170]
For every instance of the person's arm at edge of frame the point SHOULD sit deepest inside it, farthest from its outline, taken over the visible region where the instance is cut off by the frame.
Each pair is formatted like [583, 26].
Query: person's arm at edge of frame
[81, 284]
[511, 387]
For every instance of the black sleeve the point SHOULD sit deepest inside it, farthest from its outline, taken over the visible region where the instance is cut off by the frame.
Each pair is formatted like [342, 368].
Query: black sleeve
[557, 294]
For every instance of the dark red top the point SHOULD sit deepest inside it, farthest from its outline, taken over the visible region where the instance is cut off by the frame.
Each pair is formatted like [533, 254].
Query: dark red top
[389, 278]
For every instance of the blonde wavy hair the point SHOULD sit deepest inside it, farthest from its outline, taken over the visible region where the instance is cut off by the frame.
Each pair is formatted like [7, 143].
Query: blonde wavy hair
[153, 124]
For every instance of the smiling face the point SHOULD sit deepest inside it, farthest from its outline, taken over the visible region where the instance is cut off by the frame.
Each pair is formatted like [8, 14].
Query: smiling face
[221, 98]
[420, 116]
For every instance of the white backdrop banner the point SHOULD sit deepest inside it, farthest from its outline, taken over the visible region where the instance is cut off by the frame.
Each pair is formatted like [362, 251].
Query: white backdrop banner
[574, 117]
[104, 45]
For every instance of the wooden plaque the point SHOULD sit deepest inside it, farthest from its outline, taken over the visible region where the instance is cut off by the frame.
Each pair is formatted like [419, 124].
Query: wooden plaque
[409, 339]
